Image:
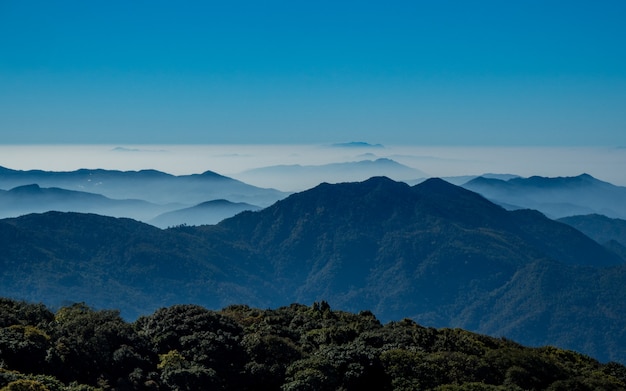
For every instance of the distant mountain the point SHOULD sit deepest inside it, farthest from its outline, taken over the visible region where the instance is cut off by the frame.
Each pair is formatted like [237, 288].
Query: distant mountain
[357, 144]
[298, 177]
[555, 197]
[462, 179]
[34, 199]
[210, 212]
[598, 227]
[437, 253]
[148, 185]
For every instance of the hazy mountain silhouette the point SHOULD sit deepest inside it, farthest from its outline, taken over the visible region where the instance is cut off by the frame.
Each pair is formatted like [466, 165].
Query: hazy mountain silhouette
[357, 144]
[434, 252]
[463, 179]
[556, 197]
[34, 199]
[299, 177]
[210, 212]
[148, 185]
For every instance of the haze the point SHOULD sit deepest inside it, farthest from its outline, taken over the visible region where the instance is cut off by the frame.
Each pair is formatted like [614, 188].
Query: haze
[233, 160]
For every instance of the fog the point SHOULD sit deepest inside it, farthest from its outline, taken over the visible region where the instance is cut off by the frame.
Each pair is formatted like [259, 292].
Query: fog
[234, 160]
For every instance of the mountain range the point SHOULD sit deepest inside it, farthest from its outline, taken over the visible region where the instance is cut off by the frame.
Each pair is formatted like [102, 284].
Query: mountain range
[35, 199]
[148, 185]
[437, 253]
[555, 197]
[300, 177]
[149, 196]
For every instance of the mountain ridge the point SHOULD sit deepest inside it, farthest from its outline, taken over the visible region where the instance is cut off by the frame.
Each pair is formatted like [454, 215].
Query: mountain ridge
[149, 185]
[556, 197]
[434, 252]
[33, 198]
[208, 212]
[302, 177]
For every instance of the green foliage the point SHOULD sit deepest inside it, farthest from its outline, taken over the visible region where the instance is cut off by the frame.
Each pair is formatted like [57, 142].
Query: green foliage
[23, 347]
[292, 348]
[196, 346]
[25, 385]
[14, 312]
[96, 347]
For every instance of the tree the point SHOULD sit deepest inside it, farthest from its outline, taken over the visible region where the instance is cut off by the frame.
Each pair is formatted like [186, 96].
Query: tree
[96, 347]
[208, 341]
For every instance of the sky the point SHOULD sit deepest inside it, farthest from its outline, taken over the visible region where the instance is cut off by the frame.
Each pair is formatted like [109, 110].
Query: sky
[431, 73]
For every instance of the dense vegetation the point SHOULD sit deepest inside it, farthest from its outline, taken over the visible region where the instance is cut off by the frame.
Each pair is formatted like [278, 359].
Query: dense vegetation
[297, 347]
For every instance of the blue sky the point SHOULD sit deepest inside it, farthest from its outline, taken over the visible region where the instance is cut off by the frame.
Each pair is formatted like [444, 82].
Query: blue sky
[405, 72]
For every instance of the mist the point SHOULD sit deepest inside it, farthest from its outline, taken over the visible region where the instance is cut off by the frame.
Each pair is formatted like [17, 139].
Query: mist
[237, 161]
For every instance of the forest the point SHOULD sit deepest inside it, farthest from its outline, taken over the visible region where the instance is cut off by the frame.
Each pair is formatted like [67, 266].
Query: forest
[296, 347]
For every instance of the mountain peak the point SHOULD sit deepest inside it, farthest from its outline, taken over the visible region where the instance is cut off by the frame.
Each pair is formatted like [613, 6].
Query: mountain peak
[357, 144]
[436, 182]
[26, 189]
[441, 187]
[210, 173]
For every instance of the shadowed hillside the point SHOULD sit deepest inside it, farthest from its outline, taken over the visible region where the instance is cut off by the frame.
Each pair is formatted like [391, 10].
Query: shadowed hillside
[434, 252]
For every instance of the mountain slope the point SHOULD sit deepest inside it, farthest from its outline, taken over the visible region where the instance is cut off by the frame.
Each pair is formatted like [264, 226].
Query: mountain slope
[600, 228]
[441, 255]
[69, 257]
[434, 252]
[556, 197]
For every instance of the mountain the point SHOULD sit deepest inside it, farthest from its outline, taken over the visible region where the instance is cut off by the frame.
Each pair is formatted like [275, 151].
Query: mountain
[434, 252]
[210, 212]
[357, 144]
[298, 177]
[60, 257]
[462, 179]
[148, 185]
[556, 197]
[598, 227]
[34, 199]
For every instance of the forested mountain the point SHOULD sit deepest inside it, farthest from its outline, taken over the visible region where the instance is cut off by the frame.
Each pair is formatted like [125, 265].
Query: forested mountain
[605, 230]
[436, 253]
[70, 257]
[296, 347]
[556, 197]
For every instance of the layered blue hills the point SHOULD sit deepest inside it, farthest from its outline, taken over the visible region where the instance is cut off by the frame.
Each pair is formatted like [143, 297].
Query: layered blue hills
[435, 252]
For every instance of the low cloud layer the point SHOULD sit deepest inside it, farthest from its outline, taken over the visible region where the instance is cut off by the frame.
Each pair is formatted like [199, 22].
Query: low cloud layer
[235, 160]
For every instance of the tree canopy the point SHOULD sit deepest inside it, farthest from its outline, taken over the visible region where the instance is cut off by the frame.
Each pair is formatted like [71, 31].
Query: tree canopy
[297, 347]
